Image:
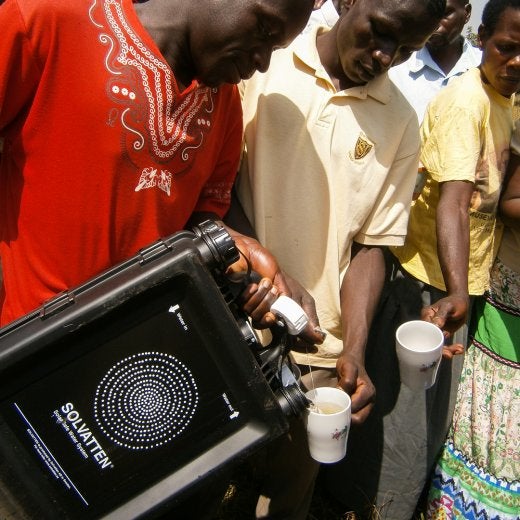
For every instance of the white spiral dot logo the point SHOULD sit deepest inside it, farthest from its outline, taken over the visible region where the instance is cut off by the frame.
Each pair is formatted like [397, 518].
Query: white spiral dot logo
[145, 400]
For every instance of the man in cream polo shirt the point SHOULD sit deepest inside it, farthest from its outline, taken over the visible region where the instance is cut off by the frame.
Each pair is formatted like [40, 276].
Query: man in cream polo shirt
[326, 181]
[326, 171]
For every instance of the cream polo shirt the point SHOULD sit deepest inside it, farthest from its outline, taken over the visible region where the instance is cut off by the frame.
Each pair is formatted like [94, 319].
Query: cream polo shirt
[323, 169]
[466, 134]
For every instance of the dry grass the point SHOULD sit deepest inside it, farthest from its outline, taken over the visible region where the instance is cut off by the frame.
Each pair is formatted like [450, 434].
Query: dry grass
[240, 499]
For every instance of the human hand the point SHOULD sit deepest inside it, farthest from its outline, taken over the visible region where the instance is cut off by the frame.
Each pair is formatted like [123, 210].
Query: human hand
[448, 351]
[353, 379]
[448, 313]
[257, 298]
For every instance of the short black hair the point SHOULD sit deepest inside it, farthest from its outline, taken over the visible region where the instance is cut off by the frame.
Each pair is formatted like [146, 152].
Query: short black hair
[437, 7]
[493, 11]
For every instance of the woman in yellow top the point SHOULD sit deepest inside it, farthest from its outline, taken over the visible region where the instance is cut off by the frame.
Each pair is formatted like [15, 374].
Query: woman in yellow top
[479, 467]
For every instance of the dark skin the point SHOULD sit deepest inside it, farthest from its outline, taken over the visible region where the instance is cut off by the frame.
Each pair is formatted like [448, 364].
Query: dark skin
[452, 223]
[369, 38]
[445, 44]
[258, 298]
[500, 68]
[237, 223]
[216, 42]
[361, 289]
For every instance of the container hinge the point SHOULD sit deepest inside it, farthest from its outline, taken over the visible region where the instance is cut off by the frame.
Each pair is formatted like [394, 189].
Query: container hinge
[56, 304]
[155, 250]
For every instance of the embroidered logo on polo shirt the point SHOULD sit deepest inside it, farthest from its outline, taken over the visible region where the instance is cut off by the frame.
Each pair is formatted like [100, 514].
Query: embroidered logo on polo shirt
[363, 146]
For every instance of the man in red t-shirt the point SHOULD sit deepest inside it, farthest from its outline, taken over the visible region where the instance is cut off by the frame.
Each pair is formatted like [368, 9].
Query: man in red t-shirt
[122, 123]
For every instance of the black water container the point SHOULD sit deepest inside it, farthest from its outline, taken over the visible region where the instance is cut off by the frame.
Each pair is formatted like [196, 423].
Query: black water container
[119, 398]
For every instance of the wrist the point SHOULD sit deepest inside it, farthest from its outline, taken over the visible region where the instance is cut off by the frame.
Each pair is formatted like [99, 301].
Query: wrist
[463, 294]
[353, 352]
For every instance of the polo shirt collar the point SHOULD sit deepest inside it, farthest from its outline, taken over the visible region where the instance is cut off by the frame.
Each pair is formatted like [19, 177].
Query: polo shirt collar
[304, 49]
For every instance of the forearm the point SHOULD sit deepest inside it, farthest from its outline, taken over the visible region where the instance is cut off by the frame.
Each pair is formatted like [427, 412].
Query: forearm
[275, 282]
[452, 227]
[359, 297]
[453, 252]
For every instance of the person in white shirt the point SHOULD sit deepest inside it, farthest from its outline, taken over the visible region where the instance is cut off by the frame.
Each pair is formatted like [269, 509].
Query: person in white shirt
[324, 13]
[447, 54]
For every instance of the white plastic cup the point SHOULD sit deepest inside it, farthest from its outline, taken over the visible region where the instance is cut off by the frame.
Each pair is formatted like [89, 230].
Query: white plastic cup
[419, 350]
[327, 433]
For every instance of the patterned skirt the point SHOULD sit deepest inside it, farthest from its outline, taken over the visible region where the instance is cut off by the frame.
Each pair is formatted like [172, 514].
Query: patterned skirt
[477, 475]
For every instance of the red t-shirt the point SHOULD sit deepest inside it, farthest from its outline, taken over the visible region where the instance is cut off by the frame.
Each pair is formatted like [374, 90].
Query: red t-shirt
[102, 154]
